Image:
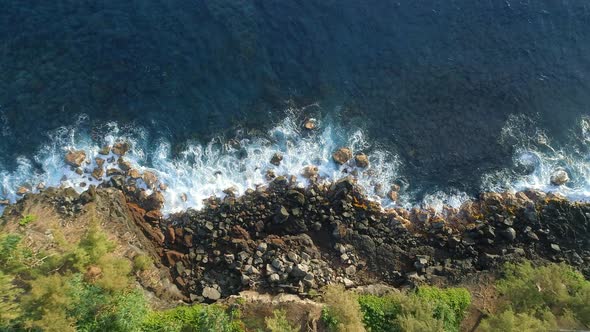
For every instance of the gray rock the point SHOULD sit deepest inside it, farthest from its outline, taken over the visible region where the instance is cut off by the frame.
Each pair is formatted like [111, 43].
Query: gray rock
[211, 293]
[274, 278]
[559, 177]
[262, 247]
[509, 234]
[351, 270]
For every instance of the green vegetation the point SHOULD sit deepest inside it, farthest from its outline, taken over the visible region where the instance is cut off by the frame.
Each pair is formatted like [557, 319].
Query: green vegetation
[84, 286]
[194, 318]
[27, 220]
[279, 323]
[342, 311]
[142, 262]
[540, 299]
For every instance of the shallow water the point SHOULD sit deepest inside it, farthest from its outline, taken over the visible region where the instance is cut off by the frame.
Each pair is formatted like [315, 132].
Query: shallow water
[445, 95]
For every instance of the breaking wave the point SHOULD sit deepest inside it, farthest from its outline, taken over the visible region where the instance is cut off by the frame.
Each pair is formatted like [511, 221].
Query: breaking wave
[199, 171]
[538, 157]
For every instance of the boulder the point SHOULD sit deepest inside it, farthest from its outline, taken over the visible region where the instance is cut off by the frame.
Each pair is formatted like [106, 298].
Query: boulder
[559, 177]
[150, 179]
[97, 173]
[211, 293]
[361, 160]
[509, 234]
[155, 201]
[121, 148]
[99, 162]
[22, 190]
[75, 158]
[342, 156]
[105, 150]
[4, 202]
[310, 124]
[134, 174]
[276, 159]
[310, 171]
[124, 165]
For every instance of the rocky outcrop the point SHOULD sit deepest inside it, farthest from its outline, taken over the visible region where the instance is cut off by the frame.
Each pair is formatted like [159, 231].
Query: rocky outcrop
[75, 158]
[287, 239]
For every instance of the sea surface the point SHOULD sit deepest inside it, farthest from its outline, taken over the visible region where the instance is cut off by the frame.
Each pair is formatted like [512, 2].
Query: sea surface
[448, 98]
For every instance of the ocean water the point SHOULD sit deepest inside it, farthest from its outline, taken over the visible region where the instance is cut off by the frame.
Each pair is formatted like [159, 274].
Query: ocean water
[448, 98]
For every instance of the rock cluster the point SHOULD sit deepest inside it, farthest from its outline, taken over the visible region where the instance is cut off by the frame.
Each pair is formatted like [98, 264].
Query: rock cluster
[287, 239]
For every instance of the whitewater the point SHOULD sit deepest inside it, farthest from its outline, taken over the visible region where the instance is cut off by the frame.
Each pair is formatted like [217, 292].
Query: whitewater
[242, 162]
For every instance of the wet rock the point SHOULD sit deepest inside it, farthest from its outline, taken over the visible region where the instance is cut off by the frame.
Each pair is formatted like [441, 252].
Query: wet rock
[559, 177]
[22, 190]
[310, 171]
[97, 173]
[310, 124]
[121, 148]
[211, 293]
[134, 174]
[393, 195]
[342, 156]
[41, 186]
[276, 159]
[163, 186]
[105, 150]
[114, 171]
[99, 162]
[555, 247]
[75, 158]
[155, 201]
[361, 160]
[124, 165]
[150, 179]
[4, 202]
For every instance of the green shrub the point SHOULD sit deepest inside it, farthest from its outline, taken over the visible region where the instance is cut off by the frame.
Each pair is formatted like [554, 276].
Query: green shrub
[195, 318]
[142, 262]
[553, 292]
[343, 311]
[380, 312]
[508, 321]
[9, 307]
[279, 323]
[450, 304]
[418, 315]
[29, 218]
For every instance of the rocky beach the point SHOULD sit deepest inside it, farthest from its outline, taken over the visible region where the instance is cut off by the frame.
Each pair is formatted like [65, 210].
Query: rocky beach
[283, 237]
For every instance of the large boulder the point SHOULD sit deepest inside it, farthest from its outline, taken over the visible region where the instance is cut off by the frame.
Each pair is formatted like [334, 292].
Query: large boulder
[121, 148]
[559, 177]
[342, 156]
[155, 201]
[361, 160]
[75, 158]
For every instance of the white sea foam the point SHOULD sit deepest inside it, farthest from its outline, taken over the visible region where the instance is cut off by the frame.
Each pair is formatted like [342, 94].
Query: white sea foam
[538, 157]
[203, 170]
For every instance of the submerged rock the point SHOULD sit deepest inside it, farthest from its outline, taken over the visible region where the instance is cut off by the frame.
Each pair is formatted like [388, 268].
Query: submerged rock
[276, 159]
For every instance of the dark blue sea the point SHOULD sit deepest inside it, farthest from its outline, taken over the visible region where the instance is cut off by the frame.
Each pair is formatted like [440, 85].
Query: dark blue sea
[448, 98]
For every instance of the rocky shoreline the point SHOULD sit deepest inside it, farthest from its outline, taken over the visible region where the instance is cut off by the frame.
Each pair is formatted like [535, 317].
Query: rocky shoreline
[283, 238]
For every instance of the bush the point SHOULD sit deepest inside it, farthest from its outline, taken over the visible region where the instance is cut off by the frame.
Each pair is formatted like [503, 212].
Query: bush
[279, 323]
[195, 318]
[450, 304]
[142, 262]
[555, 292]
[400, 312]
[508, 321]
[29, 218]
[342, 312]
